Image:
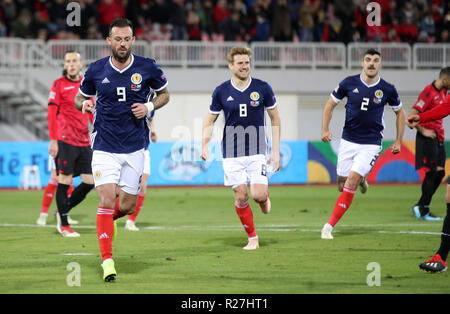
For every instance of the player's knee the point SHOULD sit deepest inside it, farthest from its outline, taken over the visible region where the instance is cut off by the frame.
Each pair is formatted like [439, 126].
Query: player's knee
[108, 201]
[241, 198]
[260, 197]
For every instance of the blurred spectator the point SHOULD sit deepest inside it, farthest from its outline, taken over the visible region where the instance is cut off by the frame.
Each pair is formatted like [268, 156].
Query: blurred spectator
[21, 26]
[392, 36]
[306, 20]
[206, 15]
[391, 14]
[221, 12]
[159, 12]
[57, 15]
[108, 10]
[281, 21]
[193, 26]
[427, 26]
[232, 30]
[262, 28]
[409, 11]
[408, 31]
[9, 13]
[444, 37]
[178, 20]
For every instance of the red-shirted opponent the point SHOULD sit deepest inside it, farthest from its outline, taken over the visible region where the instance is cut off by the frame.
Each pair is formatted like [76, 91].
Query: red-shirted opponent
[437, 263]
[430, 150]
[69, 141]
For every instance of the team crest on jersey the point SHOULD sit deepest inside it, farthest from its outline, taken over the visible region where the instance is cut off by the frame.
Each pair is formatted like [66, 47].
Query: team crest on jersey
[136, 79]
[254, 96]
[97, 174]
[378, 96]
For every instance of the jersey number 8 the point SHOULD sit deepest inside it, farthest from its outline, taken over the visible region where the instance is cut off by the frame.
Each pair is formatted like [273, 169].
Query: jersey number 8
[242, 110]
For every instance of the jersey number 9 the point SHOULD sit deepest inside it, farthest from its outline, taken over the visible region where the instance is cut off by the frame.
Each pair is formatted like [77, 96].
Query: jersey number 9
[121, 94]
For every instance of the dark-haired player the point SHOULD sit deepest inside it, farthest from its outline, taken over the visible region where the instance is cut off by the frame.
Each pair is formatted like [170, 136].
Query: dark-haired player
[367, 94]
[123, 83]
[430, 150]
[437, 263]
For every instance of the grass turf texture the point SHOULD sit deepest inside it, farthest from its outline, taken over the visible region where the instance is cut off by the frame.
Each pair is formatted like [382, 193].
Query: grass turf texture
[191, 242]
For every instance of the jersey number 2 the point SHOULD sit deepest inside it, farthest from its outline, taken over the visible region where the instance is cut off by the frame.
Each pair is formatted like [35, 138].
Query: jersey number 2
[121, 93]
[365, 103]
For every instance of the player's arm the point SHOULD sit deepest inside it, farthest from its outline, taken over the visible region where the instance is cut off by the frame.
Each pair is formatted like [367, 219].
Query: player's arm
[52, 114]
[274, 158]
[153, 135]
[326, 118]
[141, 110]
[83, 103]
[395, 147]
[207, 133]
[424, 131]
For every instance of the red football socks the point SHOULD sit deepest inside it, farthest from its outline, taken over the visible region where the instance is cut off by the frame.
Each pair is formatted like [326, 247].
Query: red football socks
[117, 212]
[246, 216]
[343, 203]
[105, 231]
[49, 193]
[139, 204]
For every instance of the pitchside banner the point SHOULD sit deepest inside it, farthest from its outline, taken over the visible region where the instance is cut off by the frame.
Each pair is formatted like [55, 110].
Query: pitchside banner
[172, 163]
[179, 163]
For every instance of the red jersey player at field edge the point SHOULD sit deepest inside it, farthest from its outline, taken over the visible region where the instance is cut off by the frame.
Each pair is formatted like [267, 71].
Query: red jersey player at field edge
[437, 263]
[69, 141]
[68, 79]
[430, 150]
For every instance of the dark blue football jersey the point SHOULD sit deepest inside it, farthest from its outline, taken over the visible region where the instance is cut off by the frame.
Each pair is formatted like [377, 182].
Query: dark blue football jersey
[116, 129]
[365, 108]
[245, 120]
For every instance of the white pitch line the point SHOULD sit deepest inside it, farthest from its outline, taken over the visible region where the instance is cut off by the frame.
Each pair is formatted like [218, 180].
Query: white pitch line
[274, 228]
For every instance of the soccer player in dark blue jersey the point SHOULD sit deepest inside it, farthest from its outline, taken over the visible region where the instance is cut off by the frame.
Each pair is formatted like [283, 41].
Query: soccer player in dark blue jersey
[123, 84]
[244, 101]
[367, 94]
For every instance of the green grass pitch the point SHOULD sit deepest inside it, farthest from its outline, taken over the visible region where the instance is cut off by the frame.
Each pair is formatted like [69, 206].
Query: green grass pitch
[191, 242]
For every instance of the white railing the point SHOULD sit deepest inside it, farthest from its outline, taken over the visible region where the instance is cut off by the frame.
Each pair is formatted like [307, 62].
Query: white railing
[301, 55]
[394, 55]
[192, 54]
[431, 56]
[19, 54]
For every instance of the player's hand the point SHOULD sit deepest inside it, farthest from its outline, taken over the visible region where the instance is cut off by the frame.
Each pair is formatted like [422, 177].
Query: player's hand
[326, 136]
[205, 152]
[53, 148]
[395, 147]
[153, 136]
[274, 161]
[88, 106]
[139, 110]
[428, 133]
[412, 120]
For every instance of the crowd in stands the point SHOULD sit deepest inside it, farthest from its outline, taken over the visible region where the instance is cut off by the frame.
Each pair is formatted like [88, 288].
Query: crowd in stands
[232, 20]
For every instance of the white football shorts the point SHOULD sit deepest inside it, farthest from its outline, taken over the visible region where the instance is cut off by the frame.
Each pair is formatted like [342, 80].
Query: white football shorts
[125, 170]
[244, 170]
[359, 158]
[147, 168]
